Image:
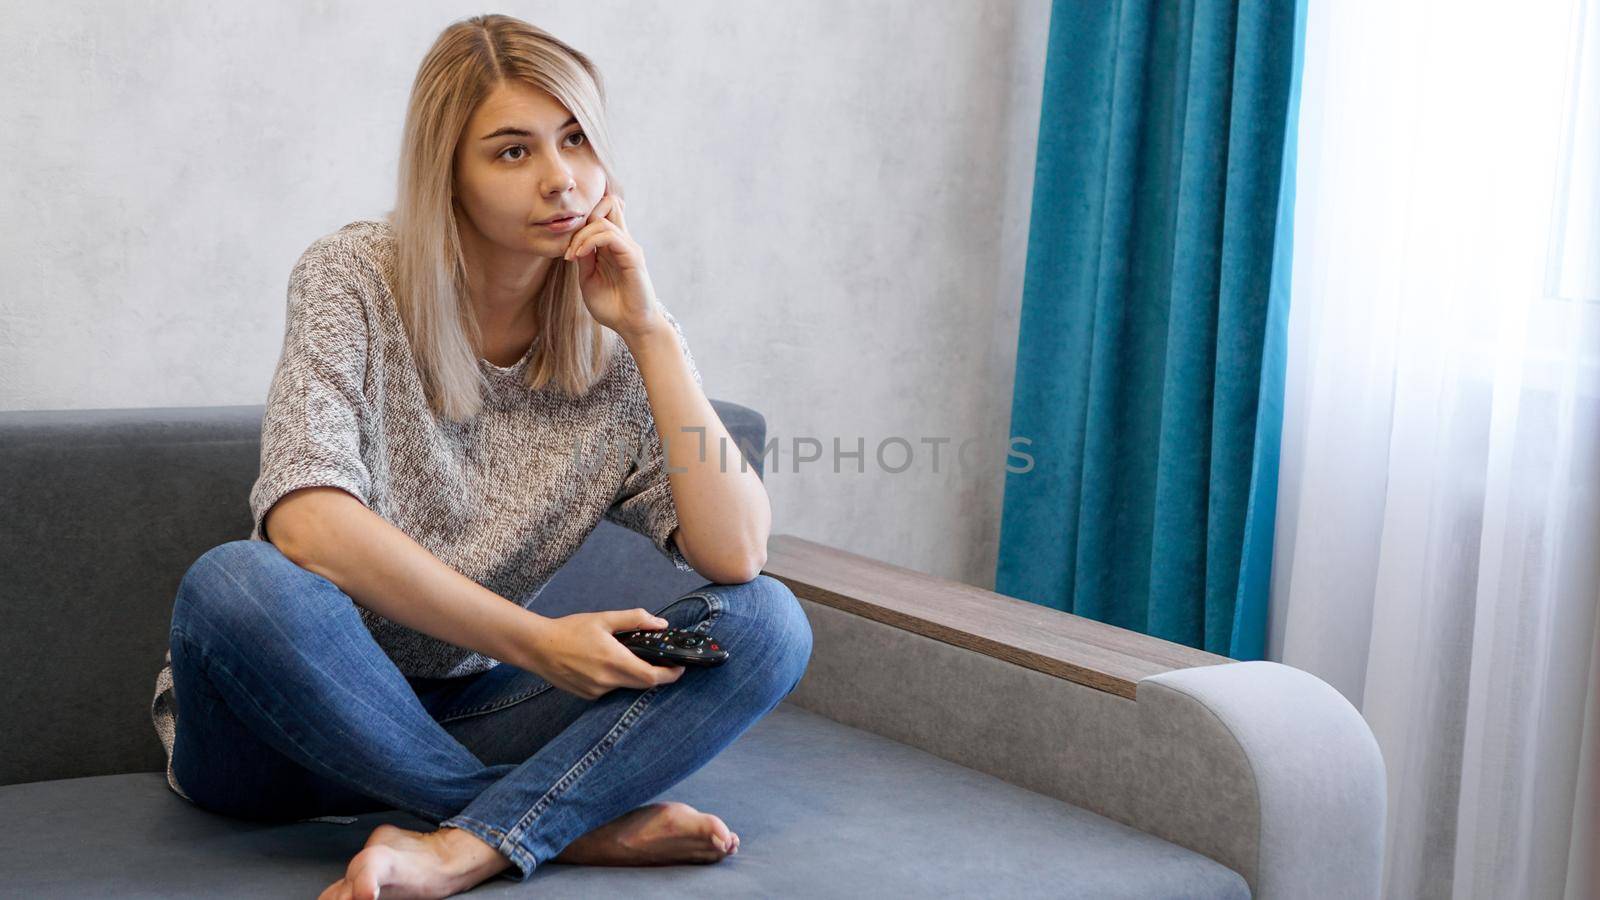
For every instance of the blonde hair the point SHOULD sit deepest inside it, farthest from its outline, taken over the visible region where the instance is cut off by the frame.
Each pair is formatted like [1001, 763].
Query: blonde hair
[468, 60]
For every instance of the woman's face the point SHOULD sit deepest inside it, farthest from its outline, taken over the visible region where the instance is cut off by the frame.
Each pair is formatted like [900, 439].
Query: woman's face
[522, 159]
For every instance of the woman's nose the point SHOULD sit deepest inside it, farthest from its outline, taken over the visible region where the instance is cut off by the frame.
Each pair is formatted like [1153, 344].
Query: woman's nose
[557, 179]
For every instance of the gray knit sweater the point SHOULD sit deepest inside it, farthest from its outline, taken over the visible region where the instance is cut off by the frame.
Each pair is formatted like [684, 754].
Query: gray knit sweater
[505, 498]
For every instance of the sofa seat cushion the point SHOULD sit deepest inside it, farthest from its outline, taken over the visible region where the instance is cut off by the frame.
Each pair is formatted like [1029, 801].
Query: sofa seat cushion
[821, 809]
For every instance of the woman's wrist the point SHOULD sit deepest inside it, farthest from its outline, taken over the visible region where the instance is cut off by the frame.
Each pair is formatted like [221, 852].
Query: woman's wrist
[526, 641]
[646, 331]
[660, 340]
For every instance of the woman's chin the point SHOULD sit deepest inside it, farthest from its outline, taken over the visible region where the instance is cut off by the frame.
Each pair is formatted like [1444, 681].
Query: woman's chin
[549, 246]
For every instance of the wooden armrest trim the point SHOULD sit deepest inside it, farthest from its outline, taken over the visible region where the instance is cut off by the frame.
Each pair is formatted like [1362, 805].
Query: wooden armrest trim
[1084, 651]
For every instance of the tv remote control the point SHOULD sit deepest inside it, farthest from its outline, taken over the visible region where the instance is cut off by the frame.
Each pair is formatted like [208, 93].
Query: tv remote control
[674, 647]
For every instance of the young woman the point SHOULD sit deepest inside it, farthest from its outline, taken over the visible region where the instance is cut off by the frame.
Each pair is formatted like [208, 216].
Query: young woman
[428, 461]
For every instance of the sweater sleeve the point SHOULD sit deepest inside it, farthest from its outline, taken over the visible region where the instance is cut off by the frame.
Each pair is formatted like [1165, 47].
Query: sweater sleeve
[644, 502]
[311, 429]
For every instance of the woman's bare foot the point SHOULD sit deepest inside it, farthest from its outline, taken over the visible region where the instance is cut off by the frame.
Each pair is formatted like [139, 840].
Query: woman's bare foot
[411, 864]
[656, 834]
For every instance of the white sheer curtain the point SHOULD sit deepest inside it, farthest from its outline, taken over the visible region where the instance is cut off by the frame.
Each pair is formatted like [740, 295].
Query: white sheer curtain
[1438, 532]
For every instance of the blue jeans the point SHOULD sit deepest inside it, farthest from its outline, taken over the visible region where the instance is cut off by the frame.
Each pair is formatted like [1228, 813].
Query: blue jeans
[288, 709]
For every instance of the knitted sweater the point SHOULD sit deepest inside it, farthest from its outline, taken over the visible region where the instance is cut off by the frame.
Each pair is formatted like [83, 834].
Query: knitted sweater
[505, 498]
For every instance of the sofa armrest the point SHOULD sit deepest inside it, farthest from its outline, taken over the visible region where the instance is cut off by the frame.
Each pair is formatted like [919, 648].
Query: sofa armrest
[1260, 766]
[1270, 766]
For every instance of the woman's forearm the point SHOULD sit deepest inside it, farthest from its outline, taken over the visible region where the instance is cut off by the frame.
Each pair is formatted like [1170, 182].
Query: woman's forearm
[329, 532]
[724, 515]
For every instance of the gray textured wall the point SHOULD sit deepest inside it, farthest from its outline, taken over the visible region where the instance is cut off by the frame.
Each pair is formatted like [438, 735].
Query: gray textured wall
[870, 167]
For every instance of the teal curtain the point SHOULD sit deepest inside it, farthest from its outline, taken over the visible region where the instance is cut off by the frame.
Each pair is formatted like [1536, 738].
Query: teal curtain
[1149, 385]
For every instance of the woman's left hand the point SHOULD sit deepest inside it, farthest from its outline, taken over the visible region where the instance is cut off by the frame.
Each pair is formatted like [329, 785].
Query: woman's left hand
[611, 271]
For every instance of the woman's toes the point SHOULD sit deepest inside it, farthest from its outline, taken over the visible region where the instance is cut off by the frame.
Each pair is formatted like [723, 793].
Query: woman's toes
[721, 834]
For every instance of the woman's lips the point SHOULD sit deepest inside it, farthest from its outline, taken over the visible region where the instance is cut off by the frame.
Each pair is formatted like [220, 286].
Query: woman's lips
[563, 225]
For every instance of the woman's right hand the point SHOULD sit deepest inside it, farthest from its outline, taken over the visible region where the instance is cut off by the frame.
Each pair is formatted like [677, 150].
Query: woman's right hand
[581, 655]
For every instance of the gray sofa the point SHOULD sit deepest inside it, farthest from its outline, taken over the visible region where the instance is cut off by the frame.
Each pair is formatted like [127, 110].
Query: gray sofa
[945, 740]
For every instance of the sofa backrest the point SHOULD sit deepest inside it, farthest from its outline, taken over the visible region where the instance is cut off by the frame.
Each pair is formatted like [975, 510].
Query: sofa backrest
[101, 513]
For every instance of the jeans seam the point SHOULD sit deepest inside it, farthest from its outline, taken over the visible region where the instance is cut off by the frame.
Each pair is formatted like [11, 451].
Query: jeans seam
[494, 705]
[713, 613]
[500, 840]
[199, 660]
[585, 763]
[172, 772]
[713, 608]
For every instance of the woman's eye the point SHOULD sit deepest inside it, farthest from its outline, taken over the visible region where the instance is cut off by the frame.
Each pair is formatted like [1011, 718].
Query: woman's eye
[524, 150]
